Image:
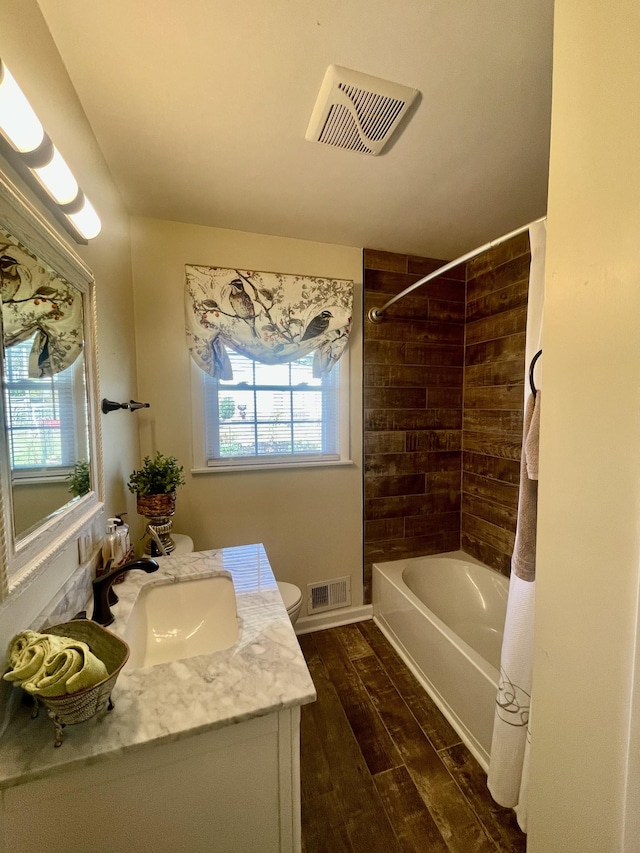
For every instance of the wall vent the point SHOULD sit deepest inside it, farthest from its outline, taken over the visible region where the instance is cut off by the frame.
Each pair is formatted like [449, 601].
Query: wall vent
[357, 111]
[328, 595]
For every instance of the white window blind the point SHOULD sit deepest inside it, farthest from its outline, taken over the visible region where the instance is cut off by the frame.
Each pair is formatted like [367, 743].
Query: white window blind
[271, 413]
[41, 423]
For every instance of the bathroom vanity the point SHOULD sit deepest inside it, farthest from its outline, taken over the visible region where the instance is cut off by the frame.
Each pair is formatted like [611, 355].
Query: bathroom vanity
[200, 753]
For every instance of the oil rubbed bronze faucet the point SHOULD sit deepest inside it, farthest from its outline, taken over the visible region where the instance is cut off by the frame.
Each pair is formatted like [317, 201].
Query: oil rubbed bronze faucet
[103, 595]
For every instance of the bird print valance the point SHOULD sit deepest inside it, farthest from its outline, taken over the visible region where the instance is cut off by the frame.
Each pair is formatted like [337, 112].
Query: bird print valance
[270, 317]
[38, 304]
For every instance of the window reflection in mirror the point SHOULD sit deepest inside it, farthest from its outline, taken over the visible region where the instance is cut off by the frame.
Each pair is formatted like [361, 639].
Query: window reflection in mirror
[45, 393]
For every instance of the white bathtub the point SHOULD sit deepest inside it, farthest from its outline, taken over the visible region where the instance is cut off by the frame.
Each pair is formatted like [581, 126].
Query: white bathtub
[445, 616]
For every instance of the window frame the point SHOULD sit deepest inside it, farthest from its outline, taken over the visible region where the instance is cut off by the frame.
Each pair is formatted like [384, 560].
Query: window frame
[202, 465]
[74, 399]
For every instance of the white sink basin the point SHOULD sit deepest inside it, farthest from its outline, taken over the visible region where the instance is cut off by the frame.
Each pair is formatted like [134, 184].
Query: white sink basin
[171, 621]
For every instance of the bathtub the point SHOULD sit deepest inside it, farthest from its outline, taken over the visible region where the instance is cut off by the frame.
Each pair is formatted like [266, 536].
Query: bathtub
[444, 615]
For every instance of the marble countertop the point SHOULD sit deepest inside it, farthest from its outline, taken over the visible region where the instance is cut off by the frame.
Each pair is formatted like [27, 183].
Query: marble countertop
[262, 673]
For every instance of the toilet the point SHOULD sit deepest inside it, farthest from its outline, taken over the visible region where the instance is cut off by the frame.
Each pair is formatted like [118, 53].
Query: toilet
[289, 592]
[292, 599]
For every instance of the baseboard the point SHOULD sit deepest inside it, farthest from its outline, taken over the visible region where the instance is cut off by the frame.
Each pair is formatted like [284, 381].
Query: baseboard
[333, 618]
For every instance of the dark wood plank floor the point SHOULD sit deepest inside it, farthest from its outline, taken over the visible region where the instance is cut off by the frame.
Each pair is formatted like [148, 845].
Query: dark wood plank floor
[382, 770]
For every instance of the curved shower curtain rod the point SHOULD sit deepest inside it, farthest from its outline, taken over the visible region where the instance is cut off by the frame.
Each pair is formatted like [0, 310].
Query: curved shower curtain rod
[376, 315]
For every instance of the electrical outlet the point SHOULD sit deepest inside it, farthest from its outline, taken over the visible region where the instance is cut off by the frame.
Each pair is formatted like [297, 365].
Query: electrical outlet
[84, 547]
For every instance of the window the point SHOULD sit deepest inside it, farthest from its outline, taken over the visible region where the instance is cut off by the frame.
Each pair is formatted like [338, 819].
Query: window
[274, 415]
[44, 440]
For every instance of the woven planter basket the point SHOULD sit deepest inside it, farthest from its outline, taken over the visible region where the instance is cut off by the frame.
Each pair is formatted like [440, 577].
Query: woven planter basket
[74, 708]
[157, 506]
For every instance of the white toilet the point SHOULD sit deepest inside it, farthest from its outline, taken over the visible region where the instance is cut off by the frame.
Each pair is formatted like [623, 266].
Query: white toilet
[289, 592]
[292, 598]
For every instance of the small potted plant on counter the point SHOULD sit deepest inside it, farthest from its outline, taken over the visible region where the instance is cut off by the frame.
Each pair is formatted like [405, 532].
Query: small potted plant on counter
[155, 487]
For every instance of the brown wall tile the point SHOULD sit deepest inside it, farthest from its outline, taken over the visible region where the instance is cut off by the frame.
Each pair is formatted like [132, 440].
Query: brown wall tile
[404, 419]
[499, 373]
[410, 375]
[424, 266]
[495, 258]
[416, 331]
[497, 326]
[497, 289]
[503, 516]
[433, 354]
[384, 528]
[424, 526]
[507, 446]
[383, 487]
[491, 352]
[493, 421]
[378, 260]
[385, 442]
[492, 467]
[434, 385]
[495, 397]
[490, 490]
[413, 379]
[434, 439]
[513, 296]
[395, 398]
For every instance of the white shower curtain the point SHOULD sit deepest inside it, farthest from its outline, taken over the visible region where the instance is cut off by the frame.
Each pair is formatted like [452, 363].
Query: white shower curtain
[509, 764]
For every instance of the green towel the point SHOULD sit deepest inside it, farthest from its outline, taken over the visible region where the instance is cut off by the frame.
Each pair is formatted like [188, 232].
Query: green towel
[47, 665]
[28, 660]
[18, 645]
[71, 669]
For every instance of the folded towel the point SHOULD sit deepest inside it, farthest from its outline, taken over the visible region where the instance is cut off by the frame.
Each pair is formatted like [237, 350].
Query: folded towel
[523, 561]
[18, 645]
[47, 665]
[30, 659]
[71, 669]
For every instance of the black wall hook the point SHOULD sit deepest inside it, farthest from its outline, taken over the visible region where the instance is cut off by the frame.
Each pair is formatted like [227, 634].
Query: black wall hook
[132, 405]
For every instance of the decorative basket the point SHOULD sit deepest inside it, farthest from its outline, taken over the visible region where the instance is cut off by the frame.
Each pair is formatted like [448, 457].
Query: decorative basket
[157, 506]
[158, 510]
[76, 707]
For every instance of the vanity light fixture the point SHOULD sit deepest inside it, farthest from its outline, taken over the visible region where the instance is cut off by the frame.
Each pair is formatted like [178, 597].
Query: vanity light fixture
[30, 150]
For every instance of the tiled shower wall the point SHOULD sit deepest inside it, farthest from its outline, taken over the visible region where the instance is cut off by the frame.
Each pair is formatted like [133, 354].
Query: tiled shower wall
[422, 495]
[413, 410]
[496, 318]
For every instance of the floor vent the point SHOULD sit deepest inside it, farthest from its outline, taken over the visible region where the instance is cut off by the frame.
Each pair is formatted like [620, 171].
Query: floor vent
[357, 111]
[329, 595]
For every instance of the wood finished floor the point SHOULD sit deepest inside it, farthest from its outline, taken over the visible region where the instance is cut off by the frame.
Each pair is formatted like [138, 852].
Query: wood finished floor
[382, 770]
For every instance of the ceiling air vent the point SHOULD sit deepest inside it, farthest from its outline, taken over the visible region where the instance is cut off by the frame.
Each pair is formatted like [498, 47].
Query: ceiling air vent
[357, 111]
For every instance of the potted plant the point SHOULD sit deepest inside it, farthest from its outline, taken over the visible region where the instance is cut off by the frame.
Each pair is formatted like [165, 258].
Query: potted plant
[155, 487]
[79, 479]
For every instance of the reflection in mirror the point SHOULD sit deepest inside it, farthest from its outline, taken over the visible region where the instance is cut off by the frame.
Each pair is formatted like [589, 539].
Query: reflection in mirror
[45, 388]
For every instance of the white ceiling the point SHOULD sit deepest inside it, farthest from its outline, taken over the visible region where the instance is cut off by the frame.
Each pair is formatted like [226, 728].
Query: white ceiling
[201, 106]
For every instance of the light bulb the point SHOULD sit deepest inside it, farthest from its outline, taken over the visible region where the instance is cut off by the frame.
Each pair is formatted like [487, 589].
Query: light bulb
[58, 179]
[18, 121]
[86, 220]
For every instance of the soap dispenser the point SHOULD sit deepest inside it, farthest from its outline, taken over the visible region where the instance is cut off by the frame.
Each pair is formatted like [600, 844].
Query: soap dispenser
[122, 532]
[110, 545]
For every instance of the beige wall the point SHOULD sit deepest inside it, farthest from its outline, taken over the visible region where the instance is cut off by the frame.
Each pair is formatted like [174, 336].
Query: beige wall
[589, 522]
[27, 48]
[309, 520]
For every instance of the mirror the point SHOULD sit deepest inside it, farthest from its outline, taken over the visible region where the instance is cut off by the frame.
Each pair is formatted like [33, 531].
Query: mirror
[51, 471]
[44, 382]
